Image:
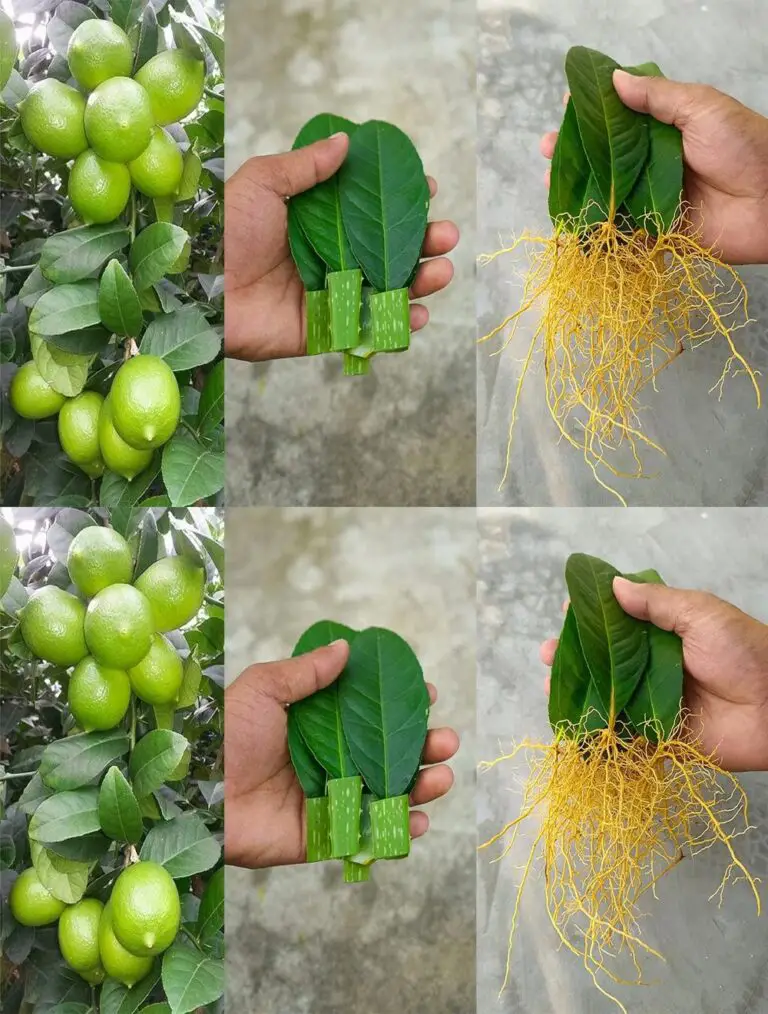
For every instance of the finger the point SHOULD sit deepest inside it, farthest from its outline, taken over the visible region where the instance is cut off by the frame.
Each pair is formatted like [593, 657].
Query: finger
[431, 784]
[564, 606]
[419, 823]
[548, 178]
[432, 186]
[293, 172]
[547, 684]
[441, 745]
[293, 679]
[547, 651]
[547, 144]
[665, 100]
[419, 316]
[432, 693]
[432, 276]
[566, 97]
[668, 608]
[440, 239]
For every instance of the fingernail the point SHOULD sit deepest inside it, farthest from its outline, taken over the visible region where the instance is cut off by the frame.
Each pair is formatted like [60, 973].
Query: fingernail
[339, 640]
[621, 582]
[622, 74]
[339, 133]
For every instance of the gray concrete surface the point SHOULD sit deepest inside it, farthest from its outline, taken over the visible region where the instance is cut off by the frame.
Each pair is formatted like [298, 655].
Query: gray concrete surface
[299, 941]
[298, 433]
[716, 451]
[716, 956]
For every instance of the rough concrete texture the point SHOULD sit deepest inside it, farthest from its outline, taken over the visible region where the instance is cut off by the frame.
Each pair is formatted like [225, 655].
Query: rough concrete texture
[716, 450]
[716, 956]
[299, 941]
[298, 432]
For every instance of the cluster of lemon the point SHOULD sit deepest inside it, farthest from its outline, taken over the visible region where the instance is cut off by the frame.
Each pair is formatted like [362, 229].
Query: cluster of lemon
[119, 432]
[116, 135]
[117, 647]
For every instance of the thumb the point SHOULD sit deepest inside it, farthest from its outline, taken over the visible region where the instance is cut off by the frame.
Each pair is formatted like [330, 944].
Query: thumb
[665, 100]
[293, 172]
[293, 679]
[668, 608]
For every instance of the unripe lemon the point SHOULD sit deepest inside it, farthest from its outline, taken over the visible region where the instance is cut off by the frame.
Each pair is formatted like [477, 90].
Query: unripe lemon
[53, 118]
[97, 558]
[31, 903]
[119, 456]
[174, 82]
[79, 430]
[97, 51]
[31, 396]
[174, 587]
[146, 912]
[118, 119]
[9, 555]
[157, 677]
[99, 190]
[79, 935]
[98, 696]
[52, 625]
[157, 171]
[118, 626]
[146, 404]
[118, 962]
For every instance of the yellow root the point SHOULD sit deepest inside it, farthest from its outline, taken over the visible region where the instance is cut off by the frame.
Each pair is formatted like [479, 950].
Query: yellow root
[615, 309]
[615, 817]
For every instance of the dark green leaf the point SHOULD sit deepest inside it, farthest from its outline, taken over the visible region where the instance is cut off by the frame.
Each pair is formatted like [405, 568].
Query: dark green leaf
[75, 254]
[66, 526]
[66, 879]
[574, 705]
[33, 795]
[384, 202]
[118, 809]
[190, 683]
[33, 288]
[215, 551]
[319, 719]
[192, 470]
[210, 917]
[86, 849]
[154, 253]
[215, 45]
[210, 411]
[91, 341]
[73, 762]
[310, 773]
[384, 709]
[184, 339]
[66, 372]
[310, 266]
[66, 19]
[66, 815]
[118, 999]
[66, 308]
[190, 979]
[321, 633]
[154, 759]
[144, 38]
[148, 543]
[190, 177]
[574, 198]
[119, 306]
[119, 494]
[183, 846]
[127, 13]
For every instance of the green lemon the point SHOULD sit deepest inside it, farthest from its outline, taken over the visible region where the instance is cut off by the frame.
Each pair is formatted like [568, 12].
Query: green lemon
[52, 625]
[118, 962]
[52, 117]
[9, 555]
[118, 626]
[118, 119]
[78, 431]
[97, 558]
[174, 82]
[146, 404]
[99, 190]
[31, 396]
[119, 456]
[146, 912]
[98, 50]
[175, 588]
[157, 677]
[79, 935]
[31, 903]
[157, 171]
[98, 696]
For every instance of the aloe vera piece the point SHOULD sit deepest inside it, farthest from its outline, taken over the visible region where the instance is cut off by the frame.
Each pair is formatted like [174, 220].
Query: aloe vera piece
[318, 816]
[356, 366]
[390, 830]
[355, 873]
[345, 797]
[344, 299]
[318, 322]
[390, 320]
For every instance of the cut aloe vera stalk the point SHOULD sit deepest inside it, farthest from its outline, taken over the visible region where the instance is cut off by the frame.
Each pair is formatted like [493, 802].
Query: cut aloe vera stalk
[318, 323]
[318, 830]
[345, 797]
[390, 320]
[390, 832]
[356, 366]
[355, 873]
[344, 298]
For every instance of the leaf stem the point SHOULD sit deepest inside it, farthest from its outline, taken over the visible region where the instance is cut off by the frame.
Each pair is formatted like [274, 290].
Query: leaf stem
[133, 722]
[16, 774]
[6, 270]
[133, 215]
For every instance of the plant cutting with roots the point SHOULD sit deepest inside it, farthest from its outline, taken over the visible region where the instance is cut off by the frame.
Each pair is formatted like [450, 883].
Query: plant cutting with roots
[623, 285]
[623, 793]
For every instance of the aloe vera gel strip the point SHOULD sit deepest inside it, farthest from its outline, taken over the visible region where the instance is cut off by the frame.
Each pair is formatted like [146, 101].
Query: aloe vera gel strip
[318, 829]
[345, 797]
[390, 834]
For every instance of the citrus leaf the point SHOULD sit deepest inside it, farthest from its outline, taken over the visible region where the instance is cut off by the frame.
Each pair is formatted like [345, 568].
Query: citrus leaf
[614, 644]
[190, 979]
[154, 252]
[216, 552]
[190, 683]
[384, 705]
[33, 288]
[91, 341]
[322, 633]
[66, 372]
[75, 254]
[154, 759]
[574, 705]
[310, 773]
[384, 203]
[144, 38]
[210, 917]
[615, 138]
[310, 266]
[118, 999]
[66, 879]
[66, 308]
[118, 809]
[215, 45]
[184, 339]
[210, 411]
[183, 846]
[148, 543]
[190, 176]
[8, 48]
[572, 182]
[191, 470]
[119, 306]
[118, 493]
[66, 19]
[66, 815]
[33, 795]
[73, 762]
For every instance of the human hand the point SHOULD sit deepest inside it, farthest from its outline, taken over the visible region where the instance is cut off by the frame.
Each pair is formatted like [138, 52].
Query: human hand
[725, 150]
[264, 302]
[264, 802]
[725, 657]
